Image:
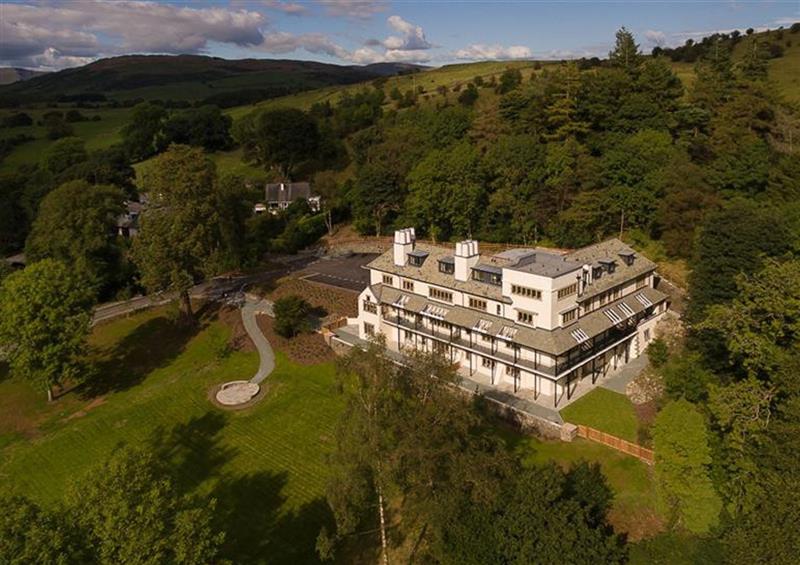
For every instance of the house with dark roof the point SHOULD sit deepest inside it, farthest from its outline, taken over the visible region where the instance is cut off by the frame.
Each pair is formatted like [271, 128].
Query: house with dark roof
[128, 222]
[532, 320]
[278, 196]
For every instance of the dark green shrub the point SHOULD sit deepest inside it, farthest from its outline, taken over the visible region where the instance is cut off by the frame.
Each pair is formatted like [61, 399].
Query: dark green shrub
[291, 316]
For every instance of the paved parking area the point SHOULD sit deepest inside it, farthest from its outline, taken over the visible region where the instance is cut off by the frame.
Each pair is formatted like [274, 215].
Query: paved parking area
[344, 272]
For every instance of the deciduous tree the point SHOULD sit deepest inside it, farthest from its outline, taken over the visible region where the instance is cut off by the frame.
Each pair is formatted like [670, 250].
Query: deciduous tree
[141, 136]
[179, 240]
[291, 315]
[282, 138]
[45, 311]
[761, 325]
[683, 456]
[133, 513]
[75, 225]
[31, 534]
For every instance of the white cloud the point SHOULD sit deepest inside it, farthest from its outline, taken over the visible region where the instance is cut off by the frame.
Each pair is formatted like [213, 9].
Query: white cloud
[788, 21]
[318, 43]
[53, 59]
[407, 56]
[366, 56]
[655, 37]
[354, 9]
[90, 29]
[478, 51]
[290, 8]
[409, 45]
[282, 42]
[412, 39]
[570, 54]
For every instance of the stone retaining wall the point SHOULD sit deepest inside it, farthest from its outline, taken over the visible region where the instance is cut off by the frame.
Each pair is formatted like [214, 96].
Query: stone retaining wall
[525, 421]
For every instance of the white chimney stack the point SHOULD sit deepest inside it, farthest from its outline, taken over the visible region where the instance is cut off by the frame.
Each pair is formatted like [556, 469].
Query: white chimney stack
[403, 245]
[465, 258]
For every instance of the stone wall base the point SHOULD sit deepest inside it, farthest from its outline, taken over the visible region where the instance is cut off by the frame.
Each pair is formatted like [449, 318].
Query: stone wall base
[524, 422]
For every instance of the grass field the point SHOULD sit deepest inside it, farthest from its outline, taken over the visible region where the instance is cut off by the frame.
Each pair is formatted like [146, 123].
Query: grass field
[604, 410]
[228, 162]
[429, 80]
[784, 72]
[96, 135]
[266, 465]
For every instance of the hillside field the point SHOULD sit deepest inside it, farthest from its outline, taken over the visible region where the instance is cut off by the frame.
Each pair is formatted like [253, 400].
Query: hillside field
[784, 72]
[96, 134]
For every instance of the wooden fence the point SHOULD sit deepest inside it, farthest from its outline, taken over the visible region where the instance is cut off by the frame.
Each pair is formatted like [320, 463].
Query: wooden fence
[614, 442]
[335, 324]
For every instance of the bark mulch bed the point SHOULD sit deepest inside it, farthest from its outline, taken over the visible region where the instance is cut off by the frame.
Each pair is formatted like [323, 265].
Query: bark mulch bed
[334, 302]
[304, 349]
[232, 317]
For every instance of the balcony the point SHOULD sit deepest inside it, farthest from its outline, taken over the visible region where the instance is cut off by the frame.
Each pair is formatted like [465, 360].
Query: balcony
[466, 345]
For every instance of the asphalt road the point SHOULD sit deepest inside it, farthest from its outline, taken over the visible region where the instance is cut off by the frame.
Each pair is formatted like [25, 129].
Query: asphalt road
[346, 272]
[218, 288]
[343, 272]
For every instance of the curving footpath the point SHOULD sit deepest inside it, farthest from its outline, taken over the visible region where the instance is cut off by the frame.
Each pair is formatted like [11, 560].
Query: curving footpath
[252, 307]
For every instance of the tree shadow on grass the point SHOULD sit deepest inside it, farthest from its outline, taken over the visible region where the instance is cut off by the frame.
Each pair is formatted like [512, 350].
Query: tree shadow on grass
[151, 345]
[250, 507]
[257, 527]
[193, 450]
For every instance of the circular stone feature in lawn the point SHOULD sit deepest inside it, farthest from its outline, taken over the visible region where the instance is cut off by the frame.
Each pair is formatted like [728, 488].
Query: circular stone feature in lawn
[237, 392]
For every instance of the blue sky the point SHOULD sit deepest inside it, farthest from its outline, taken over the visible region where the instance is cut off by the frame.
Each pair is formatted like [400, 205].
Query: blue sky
[55, 34]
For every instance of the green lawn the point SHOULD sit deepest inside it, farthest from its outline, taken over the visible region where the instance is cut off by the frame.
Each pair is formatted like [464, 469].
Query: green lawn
[604, 410]
[266, 465]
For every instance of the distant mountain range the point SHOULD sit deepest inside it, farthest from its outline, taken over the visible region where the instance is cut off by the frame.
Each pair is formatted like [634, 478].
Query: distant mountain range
[10, 75]
[191, 77]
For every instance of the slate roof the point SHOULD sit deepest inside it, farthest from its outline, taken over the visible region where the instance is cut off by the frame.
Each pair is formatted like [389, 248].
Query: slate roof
[611, 249]
[429, 272]
[537, 261]
[287, 192]
[130, 218]
[541, 262]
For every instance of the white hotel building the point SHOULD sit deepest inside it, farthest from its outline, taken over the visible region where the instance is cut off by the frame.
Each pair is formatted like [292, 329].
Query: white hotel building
[531, 320]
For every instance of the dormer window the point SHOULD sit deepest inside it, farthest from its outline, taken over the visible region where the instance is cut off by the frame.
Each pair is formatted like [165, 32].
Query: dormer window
[417, 258]
[607, 265]
[447, 266]
[488, 274]
[627, 257]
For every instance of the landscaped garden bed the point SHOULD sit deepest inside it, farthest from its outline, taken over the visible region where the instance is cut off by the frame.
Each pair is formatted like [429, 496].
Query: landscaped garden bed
[334, 302]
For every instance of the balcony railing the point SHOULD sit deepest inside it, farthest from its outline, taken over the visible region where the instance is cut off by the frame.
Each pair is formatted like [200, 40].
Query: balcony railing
[575, 357]
[472, 347]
